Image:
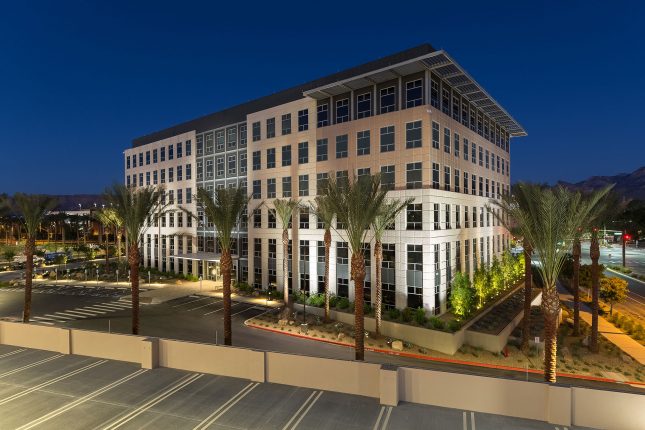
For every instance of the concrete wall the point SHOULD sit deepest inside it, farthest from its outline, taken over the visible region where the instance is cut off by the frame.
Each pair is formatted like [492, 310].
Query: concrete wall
[324, 374]
[35, 336]
[106, 345]
[212, 359]
[608, 410]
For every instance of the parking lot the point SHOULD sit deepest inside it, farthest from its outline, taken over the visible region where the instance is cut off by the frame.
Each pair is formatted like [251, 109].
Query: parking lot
[75, 290]
[46, 390]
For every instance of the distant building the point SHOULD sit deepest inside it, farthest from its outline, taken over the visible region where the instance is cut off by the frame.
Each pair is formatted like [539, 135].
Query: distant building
[416, 117]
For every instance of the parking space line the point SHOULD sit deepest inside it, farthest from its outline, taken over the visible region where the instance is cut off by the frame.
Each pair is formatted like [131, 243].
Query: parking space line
[225, 407]
[221, 309]
[93, 309]
[192, 301]
[17, 351]
[311, 404]
[65, 314]
[472, 420]
[114, 307]
[465, 421]
[87, 311]
[203, 306]
[43, 322]
[11, 372]
[81, 400]
[183, 382]
[59, 318]
[293, 417]
[80, 314]
[50, 382]
[378, 419]
[104, 307]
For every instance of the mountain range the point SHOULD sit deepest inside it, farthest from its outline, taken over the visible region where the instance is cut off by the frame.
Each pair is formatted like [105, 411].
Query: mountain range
[627, 185]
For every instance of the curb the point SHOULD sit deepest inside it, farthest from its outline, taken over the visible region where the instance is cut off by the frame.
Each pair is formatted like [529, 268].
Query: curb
[626, 276]
[445, 360]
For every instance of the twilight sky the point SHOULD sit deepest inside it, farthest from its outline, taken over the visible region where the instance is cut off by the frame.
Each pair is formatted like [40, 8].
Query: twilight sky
[79, 79]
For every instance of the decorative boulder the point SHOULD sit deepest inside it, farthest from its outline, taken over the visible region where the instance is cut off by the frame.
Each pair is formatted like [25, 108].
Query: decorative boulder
[397, 345]
[283, 322]
[340, 336]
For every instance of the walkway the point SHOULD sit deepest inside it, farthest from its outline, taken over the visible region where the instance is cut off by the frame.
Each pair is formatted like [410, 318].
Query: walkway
[612, 333]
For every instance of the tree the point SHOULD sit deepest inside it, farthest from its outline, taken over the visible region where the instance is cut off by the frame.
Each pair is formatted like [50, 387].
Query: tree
[383, 220]
[462, 296]
[613, 290]
[496, 277]
[224, 211]
[324, 212]
[135, 206]
[480, 284]
[507, 266]
[356, 205]
[547, 218]
[32, 208]
[284, 210]
[109, 218]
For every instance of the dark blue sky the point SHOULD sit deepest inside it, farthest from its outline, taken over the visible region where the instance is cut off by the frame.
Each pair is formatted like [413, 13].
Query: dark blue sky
[79, 80]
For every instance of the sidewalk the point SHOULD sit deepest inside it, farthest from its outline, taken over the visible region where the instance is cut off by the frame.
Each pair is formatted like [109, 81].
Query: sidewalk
[612, 333]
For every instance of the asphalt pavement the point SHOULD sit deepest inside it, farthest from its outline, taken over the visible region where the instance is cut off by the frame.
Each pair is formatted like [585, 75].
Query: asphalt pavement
[40, 389]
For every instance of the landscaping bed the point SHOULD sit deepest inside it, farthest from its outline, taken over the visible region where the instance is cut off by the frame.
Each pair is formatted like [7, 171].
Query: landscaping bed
[502, 313]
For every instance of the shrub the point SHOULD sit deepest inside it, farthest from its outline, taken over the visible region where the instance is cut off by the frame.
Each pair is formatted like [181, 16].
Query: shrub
[333, 301]
[393, 314]
[60, 259]
[9, 254]
[436, 323]
[317, 300]
[454, 325]
[462, 297]
[367, 309]
[407, 315]
[420, 316]
[243, 287]
[342, 303]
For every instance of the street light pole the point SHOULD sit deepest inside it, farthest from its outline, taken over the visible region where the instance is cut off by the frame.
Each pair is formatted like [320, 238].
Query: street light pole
[624, 245]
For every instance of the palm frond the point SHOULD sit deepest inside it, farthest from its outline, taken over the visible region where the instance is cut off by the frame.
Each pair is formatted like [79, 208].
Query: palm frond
[387, 215]
[223, 209]
[32, 208]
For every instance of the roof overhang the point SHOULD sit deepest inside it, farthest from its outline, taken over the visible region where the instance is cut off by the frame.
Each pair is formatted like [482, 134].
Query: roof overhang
[441, 64]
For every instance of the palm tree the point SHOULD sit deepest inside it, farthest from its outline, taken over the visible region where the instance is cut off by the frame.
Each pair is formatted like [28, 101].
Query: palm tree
[324, 212]
[105, 216]
[284, 210]
[528, 295]
[32, 208]
[576, 252]
[594, 254]
[224, 210]
[356, 205]
[383, 220]
[134, 206]
[547, 218]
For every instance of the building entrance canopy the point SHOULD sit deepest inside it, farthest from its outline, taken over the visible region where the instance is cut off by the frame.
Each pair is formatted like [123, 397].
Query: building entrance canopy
[211, 257]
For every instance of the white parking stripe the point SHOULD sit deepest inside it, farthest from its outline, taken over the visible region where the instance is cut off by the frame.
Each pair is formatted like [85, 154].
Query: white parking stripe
[316, 399]
[105, 307]
[81, 400]
[17, 351]
[87, 311]
[293, 417]
[78, 314]
[42, 318]
[11, 372]
[93, 309]
[44, 322]
[50, 382]
[465, 417]
[472, 420]
[112, 307]
[59, 318]
[203, 306]
[378, 419]
[225, 407]
[192, 301]
[221, 309]
[155, 400]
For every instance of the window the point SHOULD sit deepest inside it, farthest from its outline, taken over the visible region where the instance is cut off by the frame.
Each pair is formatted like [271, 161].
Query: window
[180, 196]
[270, 128]
[464, 113]
[364, 105]
[286, 186]
[304, 251]
[342, 111]
[435, 216]
[154, 178]
[286, 155]
[243, 135]
[413, 134]
[473, 153]
[219, 141]
[387, 138]
[447, 217]
[364, 171]
[457, 216]
[243, 163]
[303, 185]
[303, 120]
[163, 173]
[363, 142]
[481, 186]
[200, 170]
[466, 218]
[388, 100]
[219, 167]
[321, 182]
[457, 177]
[342, 178]
[170, 152]
[435, 135]
[435, 176]
[455, 107]
[474, 218]
[415, 257]
[414, 216]
[257, 189]
[387, 177]
[446, 140]
[189, 148]
[232, 165]
[180, 173]
[434, 92]
[179, 150]
[446, 178]
[465, 149]
[256, 131]
[323, 115]
[127, 165]
[481, 156]
[473, 184]
[341, 146]
[147, 178]
[303, 152]
[271, 193]
[273, 248]
[147, 157]
[321, 150]
[270, 158]
[487, 187]
[231, 137]
[189, 172]
[413, 93]
[256, 160]
[162, 152]
[304, 218]
[342, 253]
[413, 176]
[271, 219]
[286, 124]
[141, 179]
[487, 159]
[321, 252]
[456, 144]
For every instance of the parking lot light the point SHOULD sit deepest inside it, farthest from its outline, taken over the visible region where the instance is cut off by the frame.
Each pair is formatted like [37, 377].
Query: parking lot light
[117, 276]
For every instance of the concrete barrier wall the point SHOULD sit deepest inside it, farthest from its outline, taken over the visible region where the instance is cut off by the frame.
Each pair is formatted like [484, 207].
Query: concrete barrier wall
[35, 336]
[349, 377]
[112, 346]
[212, 359]
[608, 409]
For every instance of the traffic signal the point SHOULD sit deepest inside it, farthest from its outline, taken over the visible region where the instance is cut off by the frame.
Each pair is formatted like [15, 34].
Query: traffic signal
[628, 237]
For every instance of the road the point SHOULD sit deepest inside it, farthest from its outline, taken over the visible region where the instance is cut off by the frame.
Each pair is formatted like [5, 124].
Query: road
[198, 318]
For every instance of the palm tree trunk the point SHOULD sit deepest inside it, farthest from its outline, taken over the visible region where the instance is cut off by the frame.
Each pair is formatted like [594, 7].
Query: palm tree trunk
[528, 285]
[285, 266]
[551, 309]
[118, 245]
[378, 300]
[134, 278]
[227, 265]
[358, 274]
[576, 286]
[594, 253]
[107, 247]
[30, 244]
[327, 295]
